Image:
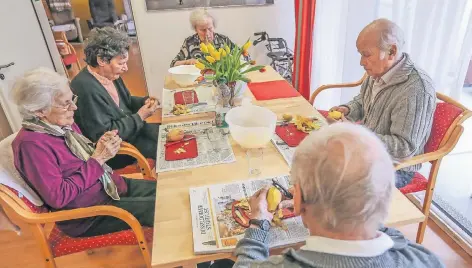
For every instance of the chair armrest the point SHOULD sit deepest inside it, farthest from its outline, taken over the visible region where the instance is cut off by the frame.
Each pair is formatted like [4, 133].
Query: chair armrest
[128, 149]
[436, 155]
[342, 85]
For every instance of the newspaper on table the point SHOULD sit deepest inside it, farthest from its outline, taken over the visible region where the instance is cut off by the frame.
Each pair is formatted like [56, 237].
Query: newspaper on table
[286, 151]
[212, 143]
[206, 100]
[214, 228]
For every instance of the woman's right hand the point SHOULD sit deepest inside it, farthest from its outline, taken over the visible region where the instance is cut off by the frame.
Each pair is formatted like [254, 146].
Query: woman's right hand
[186, 62]
[107, 147]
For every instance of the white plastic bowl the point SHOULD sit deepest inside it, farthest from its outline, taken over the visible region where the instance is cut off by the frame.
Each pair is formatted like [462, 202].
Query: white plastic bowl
[251, 126]
[184, 75]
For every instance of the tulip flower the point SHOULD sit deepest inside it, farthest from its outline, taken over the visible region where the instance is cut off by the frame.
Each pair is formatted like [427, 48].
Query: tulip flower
[211, 48]
[204, 48]
[200, 65]
[246, 46]
[210, 59]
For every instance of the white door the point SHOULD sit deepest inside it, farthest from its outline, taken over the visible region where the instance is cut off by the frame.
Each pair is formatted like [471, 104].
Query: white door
[22, 42]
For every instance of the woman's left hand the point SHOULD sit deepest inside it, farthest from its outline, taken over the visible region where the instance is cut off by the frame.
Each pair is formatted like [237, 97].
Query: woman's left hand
[151, 101]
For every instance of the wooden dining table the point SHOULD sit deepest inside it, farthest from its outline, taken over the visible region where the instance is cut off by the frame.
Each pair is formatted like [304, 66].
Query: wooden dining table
[173, 242]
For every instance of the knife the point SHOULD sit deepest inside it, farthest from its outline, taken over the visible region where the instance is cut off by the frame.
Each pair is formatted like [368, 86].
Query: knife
[182, 140]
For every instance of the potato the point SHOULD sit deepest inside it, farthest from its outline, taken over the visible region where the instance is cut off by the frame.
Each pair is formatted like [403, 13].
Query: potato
[175, 134]
[336, 115]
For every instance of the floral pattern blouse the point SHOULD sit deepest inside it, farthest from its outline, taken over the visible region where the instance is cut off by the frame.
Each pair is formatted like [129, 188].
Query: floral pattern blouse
[191, 47]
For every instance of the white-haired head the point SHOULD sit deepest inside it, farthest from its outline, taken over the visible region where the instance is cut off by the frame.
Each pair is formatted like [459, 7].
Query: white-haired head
[346, 178]
[389, 35]
[199, 16]
[36, 89]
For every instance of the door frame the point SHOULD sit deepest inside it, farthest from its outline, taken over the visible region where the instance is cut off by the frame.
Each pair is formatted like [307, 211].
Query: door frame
[48, 36]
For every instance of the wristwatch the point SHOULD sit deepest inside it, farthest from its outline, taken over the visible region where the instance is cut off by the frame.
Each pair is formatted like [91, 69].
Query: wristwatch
[262, 224]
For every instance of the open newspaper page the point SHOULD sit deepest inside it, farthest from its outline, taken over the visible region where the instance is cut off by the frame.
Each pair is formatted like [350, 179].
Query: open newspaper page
[206, 101]
[215, 229]
[212, 144]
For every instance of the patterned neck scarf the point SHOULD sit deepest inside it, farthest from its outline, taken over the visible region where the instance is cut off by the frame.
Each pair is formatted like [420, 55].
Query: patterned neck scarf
[79, 145]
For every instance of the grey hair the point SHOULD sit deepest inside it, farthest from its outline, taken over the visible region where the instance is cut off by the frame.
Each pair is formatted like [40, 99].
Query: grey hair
[389, 34]
[199, 15]
[347, 175]
[36, 89]
[105, 43]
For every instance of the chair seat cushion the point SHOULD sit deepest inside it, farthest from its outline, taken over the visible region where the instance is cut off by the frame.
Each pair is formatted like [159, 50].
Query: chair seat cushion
[62, 244]
[418, 183]
[134, 168]
[69, 59]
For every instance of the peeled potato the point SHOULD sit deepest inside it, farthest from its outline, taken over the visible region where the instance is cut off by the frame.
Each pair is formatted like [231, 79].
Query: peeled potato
[175, 134]
[336, 115]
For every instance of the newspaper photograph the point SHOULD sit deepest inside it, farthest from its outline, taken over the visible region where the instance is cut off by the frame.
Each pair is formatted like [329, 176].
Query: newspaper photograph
[215, 227]
[200, 101]
[213, 146]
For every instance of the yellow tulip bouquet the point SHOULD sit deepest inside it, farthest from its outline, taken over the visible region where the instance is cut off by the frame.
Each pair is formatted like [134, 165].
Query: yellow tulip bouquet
[225, 64]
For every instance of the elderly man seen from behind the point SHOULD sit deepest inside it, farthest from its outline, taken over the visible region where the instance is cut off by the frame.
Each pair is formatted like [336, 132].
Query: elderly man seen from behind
[397, 100]
[343, 179]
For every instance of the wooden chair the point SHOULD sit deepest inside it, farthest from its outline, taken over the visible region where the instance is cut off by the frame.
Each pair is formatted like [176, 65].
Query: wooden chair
[67, 51]
[23, 212]
[145, 166]
[445, 133]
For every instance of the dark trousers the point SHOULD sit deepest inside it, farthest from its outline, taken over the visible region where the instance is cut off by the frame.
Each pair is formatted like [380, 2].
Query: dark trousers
[139, 201]
[403, 178]
[145, 141]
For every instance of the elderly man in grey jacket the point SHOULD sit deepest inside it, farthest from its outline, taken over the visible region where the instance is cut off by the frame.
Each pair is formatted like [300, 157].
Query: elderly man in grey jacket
[397, 100]
[343, 180]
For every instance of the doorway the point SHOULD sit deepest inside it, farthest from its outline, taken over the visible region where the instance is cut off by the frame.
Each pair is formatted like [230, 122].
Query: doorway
[71, 22]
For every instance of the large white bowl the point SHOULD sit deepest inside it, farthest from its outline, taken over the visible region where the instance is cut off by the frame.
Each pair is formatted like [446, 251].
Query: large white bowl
[251, 126]
[184, 75]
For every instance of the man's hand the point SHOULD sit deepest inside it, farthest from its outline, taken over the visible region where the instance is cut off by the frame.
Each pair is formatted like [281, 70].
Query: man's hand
[258, 204]
[107, 147]
[148, 109]
[342, 109]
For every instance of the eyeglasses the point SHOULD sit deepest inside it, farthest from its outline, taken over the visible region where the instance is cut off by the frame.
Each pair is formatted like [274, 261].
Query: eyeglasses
[67, 106]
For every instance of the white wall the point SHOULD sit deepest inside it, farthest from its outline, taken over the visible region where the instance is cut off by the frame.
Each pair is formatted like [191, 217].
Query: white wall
[161, 33]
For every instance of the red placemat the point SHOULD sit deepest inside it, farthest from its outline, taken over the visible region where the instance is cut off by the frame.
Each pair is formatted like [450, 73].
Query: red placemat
[272, 90]
[190, 147]
[185, 97]
[290, 134]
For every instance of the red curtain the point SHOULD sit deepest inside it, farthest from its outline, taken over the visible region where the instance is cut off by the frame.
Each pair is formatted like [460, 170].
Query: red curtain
[305, 23]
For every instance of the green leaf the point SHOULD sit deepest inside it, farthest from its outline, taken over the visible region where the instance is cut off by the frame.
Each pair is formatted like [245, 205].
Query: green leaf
[252, 69]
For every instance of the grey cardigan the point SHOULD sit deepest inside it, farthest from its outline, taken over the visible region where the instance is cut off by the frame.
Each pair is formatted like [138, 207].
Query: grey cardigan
[402, 112]
[252, 251]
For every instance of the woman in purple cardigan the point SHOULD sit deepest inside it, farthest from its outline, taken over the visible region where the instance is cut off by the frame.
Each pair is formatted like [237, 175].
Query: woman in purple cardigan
[65, 168]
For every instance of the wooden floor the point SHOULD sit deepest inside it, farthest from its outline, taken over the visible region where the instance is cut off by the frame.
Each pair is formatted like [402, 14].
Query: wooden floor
[22, 251]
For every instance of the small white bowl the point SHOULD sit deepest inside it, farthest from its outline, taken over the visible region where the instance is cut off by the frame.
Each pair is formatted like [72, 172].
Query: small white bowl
[184, 75]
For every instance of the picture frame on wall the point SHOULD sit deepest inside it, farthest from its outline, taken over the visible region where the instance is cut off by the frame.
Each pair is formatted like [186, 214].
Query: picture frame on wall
[153, 5]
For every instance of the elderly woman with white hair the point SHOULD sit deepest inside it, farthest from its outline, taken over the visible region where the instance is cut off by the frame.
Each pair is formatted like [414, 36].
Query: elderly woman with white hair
[66, 169]
[397, 100]
[105, 102]
[343, 180]
[204, 25]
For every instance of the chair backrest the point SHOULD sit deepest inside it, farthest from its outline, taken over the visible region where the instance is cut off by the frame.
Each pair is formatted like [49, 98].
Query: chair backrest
[448, 115]
[10, 177]
[277, 45]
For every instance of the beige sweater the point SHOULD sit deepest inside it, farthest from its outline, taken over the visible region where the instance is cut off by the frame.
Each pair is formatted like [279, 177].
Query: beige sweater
[402, 112]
